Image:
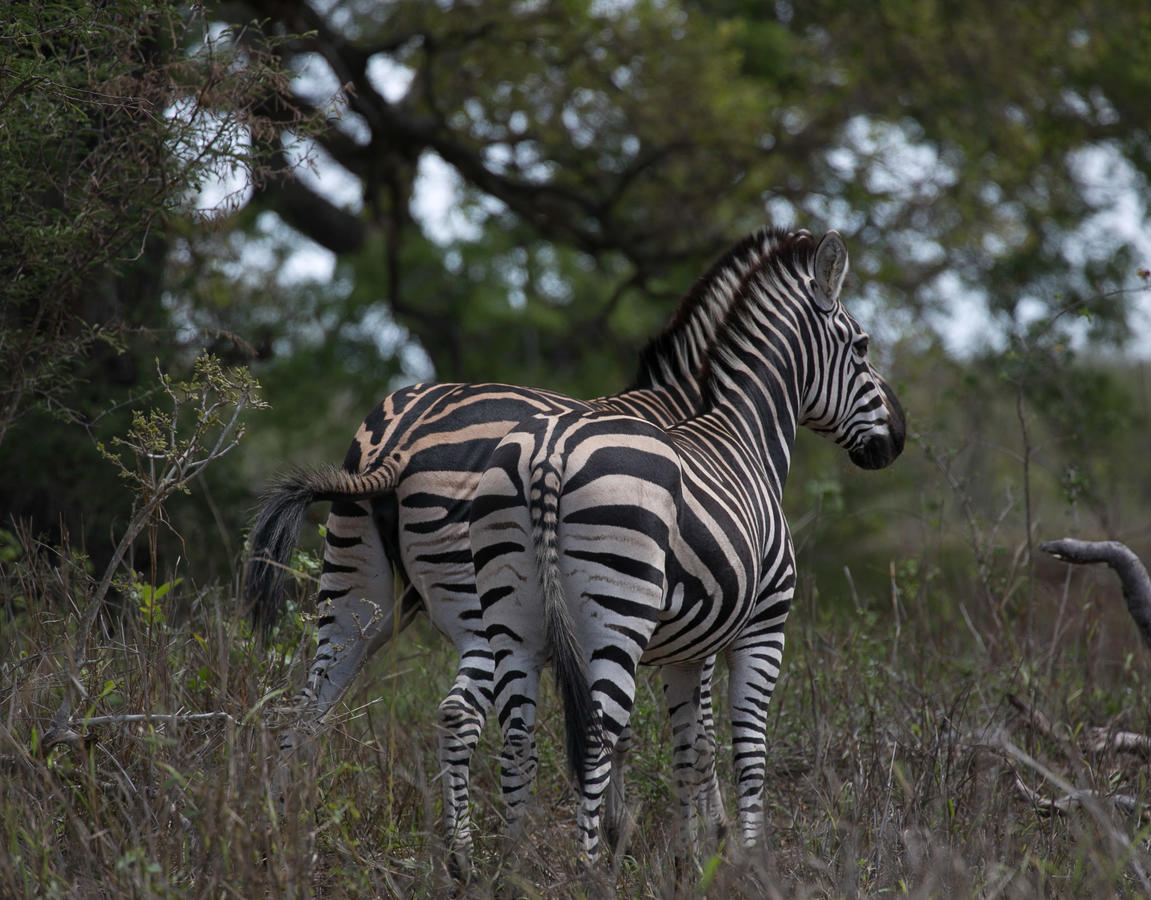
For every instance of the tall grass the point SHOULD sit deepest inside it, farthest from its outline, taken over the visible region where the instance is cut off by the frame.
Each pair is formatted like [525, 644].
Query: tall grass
[895, 759]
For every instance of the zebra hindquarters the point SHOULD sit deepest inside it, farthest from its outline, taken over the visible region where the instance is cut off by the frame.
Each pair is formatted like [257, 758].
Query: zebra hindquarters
[618, 504]
[596, 548]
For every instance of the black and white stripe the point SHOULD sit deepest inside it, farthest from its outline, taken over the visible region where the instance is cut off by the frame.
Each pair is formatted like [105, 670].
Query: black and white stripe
[401, 505]
[602, 540]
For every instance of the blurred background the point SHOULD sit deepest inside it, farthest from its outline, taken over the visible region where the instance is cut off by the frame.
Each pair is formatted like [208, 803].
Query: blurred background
[346, 197]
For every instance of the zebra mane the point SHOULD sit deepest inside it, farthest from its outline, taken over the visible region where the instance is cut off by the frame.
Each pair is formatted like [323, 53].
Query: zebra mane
[674, 356]
[789, 254]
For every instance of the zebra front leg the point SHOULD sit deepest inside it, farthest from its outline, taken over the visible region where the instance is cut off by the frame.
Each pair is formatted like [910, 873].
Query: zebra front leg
[753, 670]
[461, 717]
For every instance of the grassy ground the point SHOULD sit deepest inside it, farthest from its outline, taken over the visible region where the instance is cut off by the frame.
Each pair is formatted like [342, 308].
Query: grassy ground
[898, 762]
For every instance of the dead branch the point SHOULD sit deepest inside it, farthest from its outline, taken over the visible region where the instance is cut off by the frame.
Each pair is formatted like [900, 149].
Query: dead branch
[1062, 805]
[1104, 739]
[1131, 571]
[1034, 718]
[1095, 740]
[64, 732]
[1090, 800]
[1098, 739]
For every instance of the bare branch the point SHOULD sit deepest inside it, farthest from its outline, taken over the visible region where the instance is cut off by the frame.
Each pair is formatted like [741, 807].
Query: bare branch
[1125, 802]
[1073, 796]
[1104, 739]
[1131, 571]
[1034, 718]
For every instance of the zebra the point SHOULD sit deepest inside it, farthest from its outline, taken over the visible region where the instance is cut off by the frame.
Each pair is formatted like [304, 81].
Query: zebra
[602, 540]
[400, 511]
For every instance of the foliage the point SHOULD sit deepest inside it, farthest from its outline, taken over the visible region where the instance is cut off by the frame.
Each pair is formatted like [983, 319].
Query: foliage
[99, 146]
[112, 117]
[166, 449]
[595, 157]
[600, 154]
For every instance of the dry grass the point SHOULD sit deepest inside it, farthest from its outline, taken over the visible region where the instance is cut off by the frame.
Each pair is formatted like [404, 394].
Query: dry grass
[895, 757]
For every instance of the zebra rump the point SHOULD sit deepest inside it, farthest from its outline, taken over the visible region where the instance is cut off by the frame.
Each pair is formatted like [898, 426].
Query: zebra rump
[277, 526]
[581, 724]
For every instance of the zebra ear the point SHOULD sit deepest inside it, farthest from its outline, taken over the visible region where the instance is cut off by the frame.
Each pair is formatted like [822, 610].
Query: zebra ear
[830, 270]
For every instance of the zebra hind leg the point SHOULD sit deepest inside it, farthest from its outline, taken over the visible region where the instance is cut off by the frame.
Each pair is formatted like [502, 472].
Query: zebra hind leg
[618, 822]
[612, 711]
[711, 806]
[461, 717]
[682, 693]
[597, 777]
[519, 758]
[357, 612]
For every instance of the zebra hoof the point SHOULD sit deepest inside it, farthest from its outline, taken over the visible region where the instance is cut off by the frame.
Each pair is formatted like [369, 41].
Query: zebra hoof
[460, 866]
[592, 881]
[618, 831]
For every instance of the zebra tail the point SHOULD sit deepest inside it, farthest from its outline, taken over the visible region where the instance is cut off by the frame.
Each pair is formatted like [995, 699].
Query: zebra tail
[580, 720]
[276, 527]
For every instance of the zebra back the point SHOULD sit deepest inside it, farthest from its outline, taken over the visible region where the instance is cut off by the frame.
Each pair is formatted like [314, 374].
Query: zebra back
[417, 429]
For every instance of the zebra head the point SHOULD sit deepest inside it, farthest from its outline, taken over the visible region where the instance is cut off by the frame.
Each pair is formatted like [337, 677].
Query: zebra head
[847, 400]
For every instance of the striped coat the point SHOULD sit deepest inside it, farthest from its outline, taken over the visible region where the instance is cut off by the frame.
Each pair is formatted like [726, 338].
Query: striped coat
[603, 540]
[400, 509]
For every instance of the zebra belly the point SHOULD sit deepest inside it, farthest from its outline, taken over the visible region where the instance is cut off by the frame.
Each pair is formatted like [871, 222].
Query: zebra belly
[700, 630]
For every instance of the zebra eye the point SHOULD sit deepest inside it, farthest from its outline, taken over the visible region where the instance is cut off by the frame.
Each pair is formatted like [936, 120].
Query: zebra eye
[859, 345]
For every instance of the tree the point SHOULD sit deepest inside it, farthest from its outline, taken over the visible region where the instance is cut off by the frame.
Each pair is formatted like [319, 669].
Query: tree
[113, 115]
[600, 155]
[604, 152]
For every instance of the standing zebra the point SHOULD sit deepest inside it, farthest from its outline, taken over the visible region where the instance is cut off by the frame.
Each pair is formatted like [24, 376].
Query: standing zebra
[601, 541]
[401, 505]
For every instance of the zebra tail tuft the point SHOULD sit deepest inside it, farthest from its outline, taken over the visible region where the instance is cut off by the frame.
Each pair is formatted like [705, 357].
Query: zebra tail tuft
[276, 527]
[581, 724]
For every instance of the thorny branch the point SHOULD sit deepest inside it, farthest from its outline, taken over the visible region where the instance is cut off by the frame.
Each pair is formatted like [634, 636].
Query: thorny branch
[158, 438]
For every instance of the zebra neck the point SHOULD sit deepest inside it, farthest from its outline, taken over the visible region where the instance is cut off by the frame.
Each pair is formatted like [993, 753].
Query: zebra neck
[755, 387]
